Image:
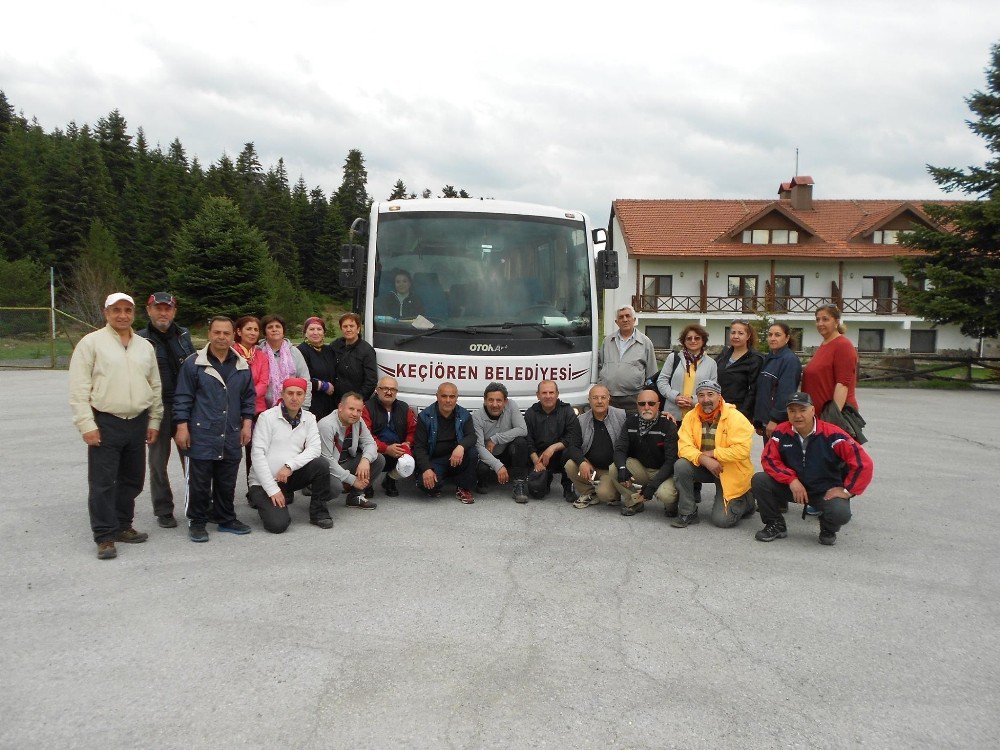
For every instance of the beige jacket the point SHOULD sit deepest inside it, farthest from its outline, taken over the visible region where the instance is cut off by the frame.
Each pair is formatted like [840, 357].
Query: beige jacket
[123, 381]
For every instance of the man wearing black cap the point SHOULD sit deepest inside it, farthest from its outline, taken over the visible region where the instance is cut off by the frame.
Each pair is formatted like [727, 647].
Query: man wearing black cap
[173, 345]
[713, 446]
[809, 461]
[501, 441]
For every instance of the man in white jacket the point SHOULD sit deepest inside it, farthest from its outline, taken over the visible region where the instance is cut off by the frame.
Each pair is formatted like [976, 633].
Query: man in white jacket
[285, 456]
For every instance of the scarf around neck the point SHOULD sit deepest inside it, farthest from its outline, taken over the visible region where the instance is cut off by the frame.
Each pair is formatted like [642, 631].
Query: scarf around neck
[645, 425]
[282, 367]
[247, 354]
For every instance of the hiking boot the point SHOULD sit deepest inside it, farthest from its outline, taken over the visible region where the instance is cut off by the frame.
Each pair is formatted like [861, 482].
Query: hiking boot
[131, 536]
[197, 533]
[829, 538]
[106, 550]
[389, 485]
[236, 526]
[771, 532]
[167, 522]
[689, 519]
[324, 522]
[357, 500]
[465, 496]
[520, 494]
[584, 501]
[631, 510]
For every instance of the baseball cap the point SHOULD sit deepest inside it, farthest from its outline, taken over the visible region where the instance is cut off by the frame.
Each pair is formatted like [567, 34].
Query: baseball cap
[803, 399]
[118, 297]
[162, 298]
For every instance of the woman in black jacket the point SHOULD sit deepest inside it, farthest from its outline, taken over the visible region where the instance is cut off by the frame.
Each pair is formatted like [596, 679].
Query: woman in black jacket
[739, 365]
[779, 377]
[322, 363]
[356, 367]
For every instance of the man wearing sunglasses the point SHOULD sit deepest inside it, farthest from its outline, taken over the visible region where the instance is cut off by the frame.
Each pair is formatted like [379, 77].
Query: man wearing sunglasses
[714, 448]
[394, 428]
[644, 455]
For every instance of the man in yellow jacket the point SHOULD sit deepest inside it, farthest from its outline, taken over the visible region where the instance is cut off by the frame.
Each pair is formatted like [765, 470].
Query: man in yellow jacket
[713, 446]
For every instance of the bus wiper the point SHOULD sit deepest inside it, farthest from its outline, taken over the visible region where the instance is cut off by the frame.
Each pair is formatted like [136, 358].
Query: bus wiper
[543, 327]
[432, 331]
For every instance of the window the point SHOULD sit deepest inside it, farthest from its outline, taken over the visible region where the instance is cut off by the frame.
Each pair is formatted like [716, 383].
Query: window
[744, 287]
[784, 288]
[878, 288]
[871, 339]
[654, 287]
[923, 342]
[770, 236]
[886, 236]
[660, 336]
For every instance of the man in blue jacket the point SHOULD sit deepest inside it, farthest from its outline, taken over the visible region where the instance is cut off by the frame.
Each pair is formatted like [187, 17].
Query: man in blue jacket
[445, 446]
[173, 345]
[213, 411]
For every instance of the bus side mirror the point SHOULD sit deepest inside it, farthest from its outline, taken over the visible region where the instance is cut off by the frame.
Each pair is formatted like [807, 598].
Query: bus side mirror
[607, 269]
[600, 237]
[352, 266]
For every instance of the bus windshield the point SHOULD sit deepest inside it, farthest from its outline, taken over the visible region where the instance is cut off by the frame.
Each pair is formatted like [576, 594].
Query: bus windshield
[450, 271]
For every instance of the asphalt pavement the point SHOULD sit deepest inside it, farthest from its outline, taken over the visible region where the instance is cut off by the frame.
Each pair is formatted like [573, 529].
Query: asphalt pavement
[433, 624]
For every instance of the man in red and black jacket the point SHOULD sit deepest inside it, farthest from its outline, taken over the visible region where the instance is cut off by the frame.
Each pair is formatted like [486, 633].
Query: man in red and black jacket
[394, 426]
[809, 461]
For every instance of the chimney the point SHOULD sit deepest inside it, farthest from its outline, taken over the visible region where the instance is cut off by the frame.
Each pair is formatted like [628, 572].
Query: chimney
[785, 191]
[802, 192]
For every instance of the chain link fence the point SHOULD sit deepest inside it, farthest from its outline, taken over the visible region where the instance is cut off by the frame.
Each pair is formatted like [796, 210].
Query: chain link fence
[38, 337]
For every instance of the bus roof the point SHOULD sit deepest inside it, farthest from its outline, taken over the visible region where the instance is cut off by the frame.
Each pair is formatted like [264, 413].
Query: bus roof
[475, 205]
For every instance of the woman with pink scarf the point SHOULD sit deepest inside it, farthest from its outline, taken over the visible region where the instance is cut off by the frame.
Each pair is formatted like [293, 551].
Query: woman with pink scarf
[286, 360]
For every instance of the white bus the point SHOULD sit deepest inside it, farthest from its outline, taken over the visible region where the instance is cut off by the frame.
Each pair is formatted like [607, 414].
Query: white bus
[499, 291]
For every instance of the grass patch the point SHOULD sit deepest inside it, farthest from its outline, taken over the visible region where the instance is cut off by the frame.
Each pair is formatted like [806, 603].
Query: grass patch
[28, 349]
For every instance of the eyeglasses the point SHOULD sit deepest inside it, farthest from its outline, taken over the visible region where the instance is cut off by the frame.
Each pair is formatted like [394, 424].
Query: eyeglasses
[692, 338]
[741, 322]
[389, 390]
[647, 403]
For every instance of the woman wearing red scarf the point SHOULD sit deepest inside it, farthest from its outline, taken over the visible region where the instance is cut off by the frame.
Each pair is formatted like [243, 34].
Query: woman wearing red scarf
[247, 336]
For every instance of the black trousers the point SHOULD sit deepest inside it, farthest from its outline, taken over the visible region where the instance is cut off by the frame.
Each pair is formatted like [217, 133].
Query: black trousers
[159, 456]
[316, 475]
[538, 484]
[211, 487]
[771, 494]
[514, 456]
[116, 471]
[464, 474]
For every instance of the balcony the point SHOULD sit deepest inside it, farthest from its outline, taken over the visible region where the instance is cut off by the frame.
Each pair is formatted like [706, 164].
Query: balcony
[645, 303]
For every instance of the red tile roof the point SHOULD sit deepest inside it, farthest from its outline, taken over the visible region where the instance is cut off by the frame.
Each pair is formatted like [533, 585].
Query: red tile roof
[703, 228]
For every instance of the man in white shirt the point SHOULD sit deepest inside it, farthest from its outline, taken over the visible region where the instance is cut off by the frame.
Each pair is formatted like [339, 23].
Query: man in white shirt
[285, 456]
[115, 395]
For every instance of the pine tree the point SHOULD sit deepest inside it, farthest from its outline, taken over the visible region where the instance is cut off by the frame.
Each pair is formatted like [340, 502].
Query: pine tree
[116, 148]
[23, 232]
[219, 264]
[250, 178]
[398, 191]
[276, 221]
[352, 196]
[957, 281]
[448, 191]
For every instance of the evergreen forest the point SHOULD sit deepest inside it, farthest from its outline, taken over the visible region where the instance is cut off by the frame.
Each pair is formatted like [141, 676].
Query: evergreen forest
[109, 211]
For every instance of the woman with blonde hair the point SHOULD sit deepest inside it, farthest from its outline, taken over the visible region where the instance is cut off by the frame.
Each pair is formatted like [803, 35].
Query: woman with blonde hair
[739, 365]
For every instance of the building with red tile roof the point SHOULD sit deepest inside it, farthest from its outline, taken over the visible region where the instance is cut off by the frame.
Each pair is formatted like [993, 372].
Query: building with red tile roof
[710, 261]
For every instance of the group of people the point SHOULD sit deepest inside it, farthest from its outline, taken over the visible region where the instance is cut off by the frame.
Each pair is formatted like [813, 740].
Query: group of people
[771, 395]
[313, 418]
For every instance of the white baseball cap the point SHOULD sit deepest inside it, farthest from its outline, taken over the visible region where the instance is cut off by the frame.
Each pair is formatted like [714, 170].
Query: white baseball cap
[405, 465]
[118, 297]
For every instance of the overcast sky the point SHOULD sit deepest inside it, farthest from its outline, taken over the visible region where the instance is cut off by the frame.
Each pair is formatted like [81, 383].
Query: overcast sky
[570, 104]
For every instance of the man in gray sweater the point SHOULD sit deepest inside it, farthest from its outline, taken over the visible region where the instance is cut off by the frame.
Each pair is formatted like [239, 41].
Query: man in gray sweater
[502, 440]
[589, 463]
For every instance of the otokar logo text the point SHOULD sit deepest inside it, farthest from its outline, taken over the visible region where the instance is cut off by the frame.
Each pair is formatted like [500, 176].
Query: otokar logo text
[487, 347]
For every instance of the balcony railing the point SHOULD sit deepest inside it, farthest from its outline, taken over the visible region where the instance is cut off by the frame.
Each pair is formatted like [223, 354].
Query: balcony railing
[758, 305]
